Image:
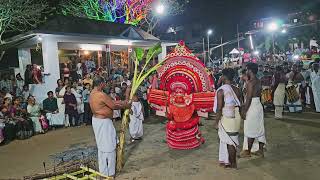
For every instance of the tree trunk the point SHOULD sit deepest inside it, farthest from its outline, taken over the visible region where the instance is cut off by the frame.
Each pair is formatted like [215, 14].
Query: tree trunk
[122, 138]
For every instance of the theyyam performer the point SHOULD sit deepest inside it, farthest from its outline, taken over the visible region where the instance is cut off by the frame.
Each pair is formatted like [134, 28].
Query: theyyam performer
[186, 93]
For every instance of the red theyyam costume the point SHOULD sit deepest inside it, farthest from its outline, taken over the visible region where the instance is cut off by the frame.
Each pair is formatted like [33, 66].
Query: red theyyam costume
[185, 93]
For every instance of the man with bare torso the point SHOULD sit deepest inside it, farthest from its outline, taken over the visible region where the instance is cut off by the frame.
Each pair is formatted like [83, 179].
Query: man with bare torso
[102, 107]
[252, 113]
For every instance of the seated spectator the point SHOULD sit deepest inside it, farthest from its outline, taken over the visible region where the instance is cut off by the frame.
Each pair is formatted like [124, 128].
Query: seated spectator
[71, 107]
[24, 125]
[8, 126]
[50, 107]
[25, 93]
[33, 110]
[6, 94]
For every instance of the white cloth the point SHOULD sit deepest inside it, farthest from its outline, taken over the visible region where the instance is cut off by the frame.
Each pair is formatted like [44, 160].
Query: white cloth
[230, 101]
[62, 107]
[225, 140]
[105, 135]
[278, 99]
[55, 119]
[230, 112]
[107, 163]
[315, 78]
[254, 123]
[136, 118]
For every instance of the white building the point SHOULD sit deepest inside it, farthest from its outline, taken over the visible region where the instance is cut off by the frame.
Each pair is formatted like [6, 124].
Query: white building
[71, 33]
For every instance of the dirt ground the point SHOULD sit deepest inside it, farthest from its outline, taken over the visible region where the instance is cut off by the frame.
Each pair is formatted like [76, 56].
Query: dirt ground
[292, 153]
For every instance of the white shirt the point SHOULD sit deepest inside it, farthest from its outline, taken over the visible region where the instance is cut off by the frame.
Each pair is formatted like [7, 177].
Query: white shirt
[79, 69]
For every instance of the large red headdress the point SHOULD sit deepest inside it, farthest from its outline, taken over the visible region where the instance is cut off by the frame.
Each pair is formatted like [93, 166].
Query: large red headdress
[183, 72]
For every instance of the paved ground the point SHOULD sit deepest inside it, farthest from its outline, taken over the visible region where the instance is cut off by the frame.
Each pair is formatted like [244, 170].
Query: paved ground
[292, 153]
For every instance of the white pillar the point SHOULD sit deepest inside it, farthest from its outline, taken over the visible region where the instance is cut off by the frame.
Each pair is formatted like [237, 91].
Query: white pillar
[50, 62]
[24, 56]
[163, 54]
[51, 66]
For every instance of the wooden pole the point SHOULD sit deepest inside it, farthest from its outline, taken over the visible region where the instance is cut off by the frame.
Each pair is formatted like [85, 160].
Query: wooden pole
[204, 51]
[221, 48]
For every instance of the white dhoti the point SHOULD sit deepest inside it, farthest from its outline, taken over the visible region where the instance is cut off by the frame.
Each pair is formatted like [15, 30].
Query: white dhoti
[106, 139]
[316, 92]
[254, 123]
[136, 119]
[278, 100]
[107, 163]
[225, 140]
[62, 108]
[229, 135]
[55, 119]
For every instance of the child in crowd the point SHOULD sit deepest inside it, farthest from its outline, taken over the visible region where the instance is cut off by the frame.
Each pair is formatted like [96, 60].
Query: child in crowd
[115, 97]
[136, 118]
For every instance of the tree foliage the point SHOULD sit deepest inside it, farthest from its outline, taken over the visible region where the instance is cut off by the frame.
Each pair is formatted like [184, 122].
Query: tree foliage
[138, 78]
[20, 15]
[135, 12]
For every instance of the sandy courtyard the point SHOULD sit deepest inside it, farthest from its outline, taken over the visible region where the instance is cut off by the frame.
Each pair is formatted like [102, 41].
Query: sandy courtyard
[292, 153]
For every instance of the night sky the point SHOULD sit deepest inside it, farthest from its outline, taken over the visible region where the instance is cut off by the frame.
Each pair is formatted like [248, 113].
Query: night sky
[224, 15]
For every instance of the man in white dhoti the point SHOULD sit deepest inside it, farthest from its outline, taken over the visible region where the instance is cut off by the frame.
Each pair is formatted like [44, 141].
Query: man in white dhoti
[315, 80]
[50, 107]
[228, 119]
[102, 107]
[279, 88]
[252, 112]
[136, 119]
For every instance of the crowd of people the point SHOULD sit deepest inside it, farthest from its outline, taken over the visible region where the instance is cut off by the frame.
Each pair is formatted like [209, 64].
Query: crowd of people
[22, 117]
[242, 93]
[291, 86]
[248, 92]
[245, 95]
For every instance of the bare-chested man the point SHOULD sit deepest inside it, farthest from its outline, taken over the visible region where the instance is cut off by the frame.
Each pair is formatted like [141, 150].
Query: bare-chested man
[102, 107]
[252, 112]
